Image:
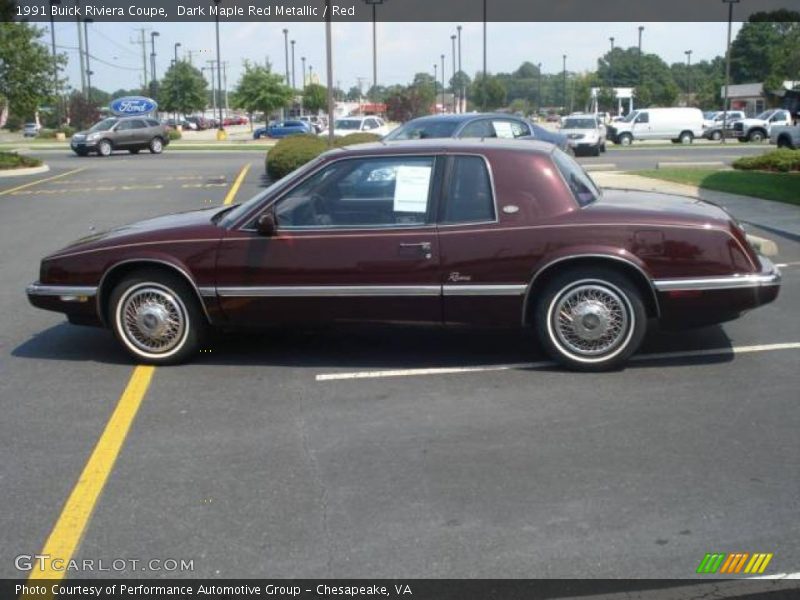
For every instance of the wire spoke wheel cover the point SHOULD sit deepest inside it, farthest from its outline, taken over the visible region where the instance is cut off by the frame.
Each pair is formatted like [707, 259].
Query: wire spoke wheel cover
[591, 320]
[152, 319]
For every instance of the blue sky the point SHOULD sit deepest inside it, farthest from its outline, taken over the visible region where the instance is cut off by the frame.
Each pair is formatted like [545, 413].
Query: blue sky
[403, 48]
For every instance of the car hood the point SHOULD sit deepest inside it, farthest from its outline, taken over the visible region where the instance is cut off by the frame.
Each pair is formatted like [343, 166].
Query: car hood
[657, 208]
[195, 224]
[586, 132]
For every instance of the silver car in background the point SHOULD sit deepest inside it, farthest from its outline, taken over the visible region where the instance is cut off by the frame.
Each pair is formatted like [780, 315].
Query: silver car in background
[585, 134]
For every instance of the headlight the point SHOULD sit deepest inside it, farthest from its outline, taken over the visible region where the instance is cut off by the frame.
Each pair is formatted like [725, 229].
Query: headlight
[92, 136]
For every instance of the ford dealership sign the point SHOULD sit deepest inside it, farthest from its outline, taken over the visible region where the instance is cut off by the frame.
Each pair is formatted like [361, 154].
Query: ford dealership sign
[132, 106]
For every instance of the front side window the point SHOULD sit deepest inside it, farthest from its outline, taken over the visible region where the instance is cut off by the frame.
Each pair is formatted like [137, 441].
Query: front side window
[469, 195]
[580, 184]
[643, 117]
[364, 192]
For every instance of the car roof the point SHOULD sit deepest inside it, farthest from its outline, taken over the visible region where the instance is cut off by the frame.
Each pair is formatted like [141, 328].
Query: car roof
[453, 145]
[464, 117]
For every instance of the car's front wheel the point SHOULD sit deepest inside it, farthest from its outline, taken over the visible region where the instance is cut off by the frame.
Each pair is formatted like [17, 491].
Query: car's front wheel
[626, 139]
[716, 136]
[590, 319]
[104, 148]
[156, 317]
[756, 137]
[156, 146]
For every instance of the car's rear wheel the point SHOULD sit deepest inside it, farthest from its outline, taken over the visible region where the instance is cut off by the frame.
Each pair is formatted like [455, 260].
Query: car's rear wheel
[156, 145]
[626, 139]
[596, 150]
[687, 137]
[104, 148]
[785, 142]
[156, 317]
[590, 319]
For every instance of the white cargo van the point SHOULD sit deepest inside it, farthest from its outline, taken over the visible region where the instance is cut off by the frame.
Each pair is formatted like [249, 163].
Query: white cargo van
[679, 125]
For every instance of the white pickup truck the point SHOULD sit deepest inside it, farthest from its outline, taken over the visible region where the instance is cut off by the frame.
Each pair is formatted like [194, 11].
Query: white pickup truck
[759, 128]
[785, 137]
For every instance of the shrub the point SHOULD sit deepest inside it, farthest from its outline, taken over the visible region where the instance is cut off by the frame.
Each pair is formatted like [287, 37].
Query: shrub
[783, 160]
[356, 138]
[174, 134]
[12, 160]
[293, 152]
[50, 134]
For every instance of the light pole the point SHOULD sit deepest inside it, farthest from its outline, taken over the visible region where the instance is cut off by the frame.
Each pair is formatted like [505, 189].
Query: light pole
[88, 67]
[221, 135]
[611, 64]
[303, 61]
[484, 42]
[374, 4]
[310, 73]
[453, 39]
[442, 82]
[461, 94]
[286, 53]
[641, 29]
[435, 83]
[294, 87]
[329, 69]
[688, 54]
[725, 100]
[564, 74]
[177, 45]
[56, 91]
[539, 90]
[153, 36]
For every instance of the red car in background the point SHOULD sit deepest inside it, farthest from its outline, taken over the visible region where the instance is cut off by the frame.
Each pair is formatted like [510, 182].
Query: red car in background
[479, 232]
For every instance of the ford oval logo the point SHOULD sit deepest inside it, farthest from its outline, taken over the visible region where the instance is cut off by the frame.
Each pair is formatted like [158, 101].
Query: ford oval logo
[132, 105]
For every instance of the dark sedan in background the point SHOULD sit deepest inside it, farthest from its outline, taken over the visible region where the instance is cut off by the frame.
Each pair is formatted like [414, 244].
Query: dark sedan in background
[476, 125]
[478, 232]
[284, 129]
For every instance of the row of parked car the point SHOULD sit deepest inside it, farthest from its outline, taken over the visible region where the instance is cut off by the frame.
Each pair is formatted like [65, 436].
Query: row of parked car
[199, 123]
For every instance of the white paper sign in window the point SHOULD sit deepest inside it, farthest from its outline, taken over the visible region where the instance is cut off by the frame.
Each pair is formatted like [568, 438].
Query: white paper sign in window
[411, 189]
[503, 129]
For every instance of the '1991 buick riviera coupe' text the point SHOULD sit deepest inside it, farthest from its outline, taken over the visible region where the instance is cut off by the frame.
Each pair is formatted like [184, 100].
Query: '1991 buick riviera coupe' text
[481, 232]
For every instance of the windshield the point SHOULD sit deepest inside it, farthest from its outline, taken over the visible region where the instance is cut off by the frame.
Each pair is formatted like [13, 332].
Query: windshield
[422, 130]
[630, 116]
[347, 124]
[579, 124]
[234, 215]
[765, 115]
[103, 125]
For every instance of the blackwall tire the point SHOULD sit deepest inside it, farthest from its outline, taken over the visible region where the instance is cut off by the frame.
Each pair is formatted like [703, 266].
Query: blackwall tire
[157, 318]
[590, 319]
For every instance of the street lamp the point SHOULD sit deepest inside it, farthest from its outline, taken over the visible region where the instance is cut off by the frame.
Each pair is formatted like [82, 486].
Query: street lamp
[303, 61]
[611, 64]
[286, 52]
[641, 29]
[484, 46]
[539, 90]
[88, 68]
[374, 4]
[461, 106]
[688, 54]
[564, 74]
[293, 84]
[55, 62]
[453, 39]
[177, 45]
[153, 36]
[435, 82]
[442, 82]
[221, 131]
[310, 73]
[725, 100]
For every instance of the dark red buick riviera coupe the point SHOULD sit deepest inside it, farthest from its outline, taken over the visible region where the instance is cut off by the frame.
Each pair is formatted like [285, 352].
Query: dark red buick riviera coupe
[475, 232]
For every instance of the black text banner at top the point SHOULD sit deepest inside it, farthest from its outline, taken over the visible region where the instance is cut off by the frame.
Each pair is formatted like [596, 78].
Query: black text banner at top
[392, 10]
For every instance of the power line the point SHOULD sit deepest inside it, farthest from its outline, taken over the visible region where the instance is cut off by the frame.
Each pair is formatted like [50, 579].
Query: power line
[100, 60]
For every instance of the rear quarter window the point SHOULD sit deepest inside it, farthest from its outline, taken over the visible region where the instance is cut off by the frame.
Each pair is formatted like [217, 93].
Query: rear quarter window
[578, 181]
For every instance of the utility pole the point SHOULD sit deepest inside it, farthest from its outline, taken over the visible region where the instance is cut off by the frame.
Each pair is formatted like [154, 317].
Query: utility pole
[56, 89]
[153, 83]
[611, 64]
[726, 100]
[88, 67]
[225, 84]
[80, 54]
[142, 42]
[210, 67]
[641, 29]
[329, 65]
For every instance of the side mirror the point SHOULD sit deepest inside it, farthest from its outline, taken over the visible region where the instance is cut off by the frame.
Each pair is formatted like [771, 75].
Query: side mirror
[266, 225]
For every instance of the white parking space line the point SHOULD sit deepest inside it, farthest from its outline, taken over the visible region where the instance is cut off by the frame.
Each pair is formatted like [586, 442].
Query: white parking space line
[736, 350]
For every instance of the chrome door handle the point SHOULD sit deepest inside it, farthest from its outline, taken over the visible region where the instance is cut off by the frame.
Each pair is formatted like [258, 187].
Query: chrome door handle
[422, 248]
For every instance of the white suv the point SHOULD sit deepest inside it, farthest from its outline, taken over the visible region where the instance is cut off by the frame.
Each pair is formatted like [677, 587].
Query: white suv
[348, 125]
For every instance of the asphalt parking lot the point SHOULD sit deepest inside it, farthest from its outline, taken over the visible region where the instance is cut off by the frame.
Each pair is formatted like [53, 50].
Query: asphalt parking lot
[380, 452]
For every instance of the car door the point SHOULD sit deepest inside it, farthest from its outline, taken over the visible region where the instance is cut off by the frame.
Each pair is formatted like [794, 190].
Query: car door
[140, 133]
[483, 278]
[123, 134]
[641, 126]
[354, 241]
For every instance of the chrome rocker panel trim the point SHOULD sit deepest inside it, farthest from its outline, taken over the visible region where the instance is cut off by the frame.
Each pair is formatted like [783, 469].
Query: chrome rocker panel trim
[770, 276]
[38, 289]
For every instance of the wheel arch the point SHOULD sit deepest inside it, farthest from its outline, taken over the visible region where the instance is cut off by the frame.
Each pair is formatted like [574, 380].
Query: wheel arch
[117, 272]
[551, 269]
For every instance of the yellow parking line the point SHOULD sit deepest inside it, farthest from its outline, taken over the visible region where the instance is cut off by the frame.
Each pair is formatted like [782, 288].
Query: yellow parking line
[71, 525]
[235, 187]
[38, 181]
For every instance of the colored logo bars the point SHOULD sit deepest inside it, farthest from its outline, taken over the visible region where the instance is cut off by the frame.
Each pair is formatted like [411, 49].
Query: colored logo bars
[734, 563]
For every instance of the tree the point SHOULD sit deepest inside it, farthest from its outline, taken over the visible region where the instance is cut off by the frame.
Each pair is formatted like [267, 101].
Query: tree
[183, 89]
[377, 93]
[404, 103]
[81, 112]
[260, 90]
[488, 92]
[765, 46]
[26, 69]
[353, 94]
[315, 97]
[607, 99]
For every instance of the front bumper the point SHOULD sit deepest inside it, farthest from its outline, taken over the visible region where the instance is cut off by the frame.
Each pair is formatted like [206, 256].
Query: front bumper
[77, 302]
[83, 145]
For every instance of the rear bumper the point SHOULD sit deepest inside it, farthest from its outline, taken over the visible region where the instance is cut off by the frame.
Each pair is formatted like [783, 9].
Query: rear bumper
[692, 302]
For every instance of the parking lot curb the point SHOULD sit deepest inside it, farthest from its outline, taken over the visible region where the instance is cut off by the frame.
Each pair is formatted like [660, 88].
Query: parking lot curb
[692, 165]
[22, 172]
